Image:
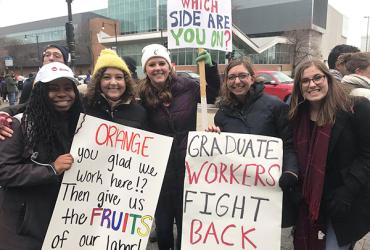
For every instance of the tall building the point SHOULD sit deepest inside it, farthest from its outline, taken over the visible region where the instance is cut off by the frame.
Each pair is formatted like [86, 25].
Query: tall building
[259, 28]
[265, 30]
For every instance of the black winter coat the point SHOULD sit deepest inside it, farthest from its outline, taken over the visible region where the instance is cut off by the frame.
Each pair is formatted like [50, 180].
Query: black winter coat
[129, 114]
[263, 114]
[28, 192]
[176, 121]
[348, 157]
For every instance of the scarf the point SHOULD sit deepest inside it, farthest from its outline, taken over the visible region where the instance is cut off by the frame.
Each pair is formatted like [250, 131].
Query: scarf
[312, 148]
[356, 81]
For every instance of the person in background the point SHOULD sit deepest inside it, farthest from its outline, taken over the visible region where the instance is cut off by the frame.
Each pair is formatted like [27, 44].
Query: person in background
[131, 63]
[171, 103]
[357, 82]
[33, 160]
[332, 140]
[11, 87]
[244, 108]
[88, 77]
[337, 69]
[27, 87]
[3, 92]
[51, 53]
[55, 53]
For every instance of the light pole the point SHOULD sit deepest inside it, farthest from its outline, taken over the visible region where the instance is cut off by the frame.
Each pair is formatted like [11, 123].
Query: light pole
[115, 32]
[37, 44]
[70, 34]
[367, 31]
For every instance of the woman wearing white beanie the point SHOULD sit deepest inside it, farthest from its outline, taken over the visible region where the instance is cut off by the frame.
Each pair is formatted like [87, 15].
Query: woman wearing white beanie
[171, 103]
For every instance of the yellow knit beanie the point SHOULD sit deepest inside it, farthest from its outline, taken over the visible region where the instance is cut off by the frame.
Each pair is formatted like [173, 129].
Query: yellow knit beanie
[109, 58]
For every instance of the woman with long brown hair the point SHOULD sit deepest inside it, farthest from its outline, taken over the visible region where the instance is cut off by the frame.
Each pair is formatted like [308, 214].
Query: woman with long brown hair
[332, 140]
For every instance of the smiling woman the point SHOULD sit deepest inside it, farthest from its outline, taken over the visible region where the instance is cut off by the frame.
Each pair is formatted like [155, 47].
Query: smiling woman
[332, 138]
[245, 108]
[34, 158]
[110, 94]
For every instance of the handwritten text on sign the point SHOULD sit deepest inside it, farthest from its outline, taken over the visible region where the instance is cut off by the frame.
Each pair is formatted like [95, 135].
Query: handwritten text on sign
[231, 195]
[108, 198]
[199, 24]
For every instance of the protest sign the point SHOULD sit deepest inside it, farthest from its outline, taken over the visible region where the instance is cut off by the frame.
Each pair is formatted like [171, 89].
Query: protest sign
[199, 24]
[231, 195]
[108, 198]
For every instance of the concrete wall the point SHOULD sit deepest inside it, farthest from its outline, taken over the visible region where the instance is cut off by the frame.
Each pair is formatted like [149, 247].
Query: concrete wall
[334, 32]
[271, 16]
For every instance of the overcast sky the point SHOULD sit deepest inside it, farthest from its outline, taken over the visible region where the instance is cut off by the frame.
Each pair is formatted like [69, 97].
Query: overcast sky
[20, 11]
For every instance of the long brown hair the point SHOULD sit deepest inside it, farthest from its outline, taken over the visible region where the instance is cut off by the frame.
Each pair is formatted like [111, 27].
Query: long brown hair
[335, 100]
[151, 96]
[227, 98]
[94, 88]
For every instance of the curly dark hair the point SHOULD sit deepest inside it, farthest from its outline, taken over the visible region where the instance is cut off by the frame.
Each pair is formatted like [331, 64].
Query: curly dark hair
[40, 122]
[151, 96]
[94, 89]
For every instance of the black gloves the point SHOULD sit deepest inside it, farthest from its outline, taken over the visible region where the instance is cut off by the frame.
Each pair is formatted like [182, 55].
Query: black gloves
[288, 181]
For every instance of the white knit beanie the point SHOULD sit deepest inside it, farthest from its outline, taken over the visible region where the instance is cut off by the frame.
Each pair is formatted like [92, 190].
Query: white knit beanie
[154, 50]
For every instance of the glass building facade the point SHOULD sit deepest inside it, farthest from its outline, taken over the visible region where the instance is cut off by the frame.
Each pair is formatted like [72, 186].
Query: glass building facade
[151, 15]
[43, 35]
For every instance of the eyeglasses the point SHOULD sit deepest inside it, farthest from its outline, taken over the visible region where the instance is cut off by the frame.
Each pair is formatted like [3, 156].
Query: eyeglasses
[242, 76]
[317, 79]
[54, 54]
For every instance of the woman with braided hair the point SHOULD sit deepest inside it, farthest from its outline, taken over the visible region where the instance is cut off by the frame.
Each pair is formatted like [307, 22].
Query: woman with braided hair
[33, 160]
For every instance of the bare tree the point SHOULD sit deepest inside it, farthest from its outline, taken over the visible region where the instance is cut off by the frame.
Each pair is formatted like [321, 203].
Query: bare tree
[16, 50]
[305, 44]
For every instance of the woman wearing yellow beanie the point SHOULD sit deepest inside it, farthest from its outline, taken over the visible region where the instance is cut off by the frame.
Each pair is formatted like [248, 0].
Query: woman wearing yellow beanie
[110, 94]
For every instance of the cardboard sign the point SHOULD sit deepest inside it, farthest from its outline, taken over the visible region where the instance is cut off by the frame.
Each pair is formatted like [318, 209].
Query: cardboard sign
[231, 195]
[108, 198]
[199, 24]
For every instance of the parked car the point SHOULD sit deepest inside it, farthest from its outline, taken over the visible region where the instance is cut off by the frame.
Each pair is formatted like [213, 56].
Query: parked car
[188, 74]
[276, 83]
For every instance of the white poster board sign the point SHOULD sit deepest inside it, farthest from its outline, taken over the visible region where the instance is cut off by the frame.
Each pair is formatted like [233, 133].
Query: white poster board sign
[232, 199]
[199, 24]
[108, 198]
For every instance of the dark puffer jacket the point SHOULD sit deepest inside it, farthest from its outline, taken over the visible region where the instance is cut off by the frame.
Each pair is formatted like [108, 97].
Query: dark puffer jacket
[28, 191]
[263, 114]
[176, 121]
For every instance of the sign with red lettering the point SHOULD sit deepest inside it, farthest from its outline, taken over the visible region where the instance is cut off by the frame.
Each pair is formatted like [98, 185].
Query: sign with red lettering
[232, 199]
[108, 198]
[199, 24]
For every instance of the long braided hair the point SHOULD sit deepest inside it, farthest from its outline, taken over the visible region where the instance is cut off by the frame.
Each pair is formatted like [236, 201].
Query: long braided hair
[41, 122]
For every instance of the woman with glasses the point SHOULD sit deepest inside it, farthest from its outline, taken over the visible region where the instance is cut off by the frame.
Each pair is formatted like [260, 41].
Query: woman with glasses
[244, 108]
[332, 140]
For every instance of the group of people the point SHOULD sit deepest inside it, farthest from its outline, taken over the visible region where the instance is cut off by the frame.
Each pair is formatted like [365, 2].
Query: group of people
[9, 88]
[326, 142]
